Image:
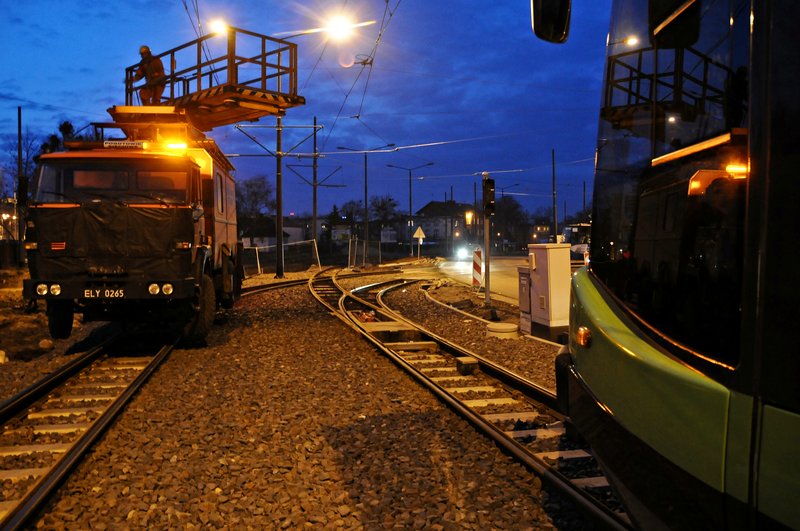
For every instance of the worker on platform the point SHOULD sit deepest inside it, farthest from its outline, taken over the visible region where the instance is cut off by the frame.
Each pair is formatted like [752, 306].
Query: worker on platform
[152, 70]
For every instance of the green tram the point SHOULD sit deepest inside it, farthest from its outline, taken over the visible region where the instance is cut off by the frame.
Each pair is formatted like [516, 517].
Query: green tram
[681, 370]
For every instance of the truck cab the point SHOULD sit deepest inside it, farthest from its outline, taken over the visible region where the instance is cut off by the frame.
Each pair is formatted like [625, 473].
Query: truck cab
[135, 227]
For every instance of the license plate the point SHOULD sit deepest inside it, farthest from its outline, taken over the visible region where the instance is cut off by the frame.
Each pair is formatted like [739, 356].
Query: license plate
[104, 293]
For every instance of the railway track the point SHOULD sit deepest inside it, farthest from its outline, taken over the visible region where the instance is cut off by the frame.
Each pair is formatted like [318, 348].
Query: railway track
[518, 415]
[48, 427]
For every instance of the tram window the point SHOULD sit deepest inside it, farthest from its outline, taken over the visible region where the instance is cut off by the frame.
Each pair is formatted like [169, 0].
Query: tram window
[671, 205]
[688, 267]
[671, 254]
[673, 24]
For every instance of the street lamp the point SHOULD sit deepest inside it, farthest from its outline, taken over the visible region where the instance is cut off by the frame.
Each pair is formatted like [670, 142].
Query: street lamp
[630, 40]
[366, 195]
[279, 173]
[410, 209]
[338, 28]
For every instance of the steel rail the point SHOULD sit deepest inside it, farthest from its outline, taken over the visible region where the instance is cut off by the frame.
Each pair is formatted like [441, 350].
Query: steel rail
[588, 504]
[40, 494]
[260, 288]
[522, 384]
[13, 406]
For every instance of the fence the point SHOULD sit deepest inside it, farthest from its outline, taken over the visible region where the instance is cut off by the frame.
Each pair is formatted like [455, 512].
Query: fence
[359, 253]
[297, 256]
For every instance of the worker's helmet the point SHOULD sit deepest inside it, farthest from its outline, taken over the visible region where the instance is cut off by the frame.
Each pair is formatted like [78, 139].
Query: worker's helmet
[144, 50]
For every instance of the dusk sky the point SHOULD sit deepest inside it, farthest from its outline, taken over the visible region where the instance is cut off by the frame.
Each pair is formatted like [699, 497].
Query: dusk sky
[462, 84]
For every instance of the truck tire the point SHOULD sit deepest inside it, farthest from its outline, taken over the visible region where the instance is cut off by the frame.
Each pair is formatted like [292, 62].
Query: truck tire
[232, 283]
[59, 318]
[199, 326]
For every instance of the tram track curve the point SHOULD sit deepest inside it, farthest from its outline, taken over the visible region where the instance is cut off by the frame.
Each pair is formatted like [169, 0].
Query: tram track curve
[518, 415]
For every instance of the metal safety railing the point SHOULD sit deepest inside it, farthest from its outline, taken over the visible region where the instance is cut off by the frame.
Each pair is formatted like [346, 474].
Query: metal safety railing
[237, 58]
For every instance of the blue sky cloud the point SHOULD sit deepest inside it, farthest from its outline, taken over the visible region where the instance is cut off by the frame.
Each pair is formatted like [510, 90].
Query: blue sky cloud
[469, 74]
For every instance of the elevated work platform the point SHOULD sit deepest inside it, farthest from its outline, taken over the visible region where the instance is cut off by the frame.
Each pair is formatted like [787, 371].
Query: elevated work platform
[228, 78]
[150, 122]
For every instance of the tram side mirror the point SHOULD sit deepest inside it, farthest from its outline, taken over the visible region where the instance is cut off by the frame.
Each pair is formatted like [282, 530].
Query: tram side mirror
[673, 23]
[550, 19]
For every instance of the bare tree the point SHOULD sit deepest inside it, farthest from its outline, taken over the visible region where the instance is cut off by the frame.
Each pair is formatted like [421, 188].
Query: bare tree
[353, 211]
[31, 147]
[254, 196]
[511, 220]
[383, 208]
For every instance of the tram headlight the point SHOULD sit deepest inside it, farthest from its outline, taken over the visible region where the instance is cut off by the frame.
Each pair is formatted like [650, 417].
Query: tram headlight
[41, 289]
[153, 289]
[55, 289]
[167, 289]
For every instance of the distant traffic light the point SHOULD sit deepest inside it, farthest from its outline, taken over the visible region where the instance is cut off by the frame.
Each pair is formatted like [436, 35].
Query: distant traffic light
[488, 197]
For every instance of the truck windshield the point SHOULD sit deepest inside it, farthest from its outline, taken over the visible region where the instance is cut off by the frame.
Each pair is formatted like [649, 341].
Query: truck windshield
[75, 181]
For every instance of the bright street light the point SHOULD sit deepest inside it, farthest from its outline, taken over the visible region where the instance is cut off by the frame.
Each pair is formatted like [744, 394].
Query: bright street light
[218, 27]
[631, 40]
[338, 28]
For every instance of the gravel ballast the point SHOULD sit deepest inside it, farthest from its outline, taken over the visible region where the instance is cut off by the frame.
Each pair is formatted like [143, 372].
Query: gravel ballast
[287, 420]
[527, 356]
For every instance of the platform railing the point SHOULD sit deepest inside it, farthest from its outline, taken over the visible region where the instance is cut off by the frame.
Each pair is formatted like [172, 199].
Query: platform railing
[239, 58]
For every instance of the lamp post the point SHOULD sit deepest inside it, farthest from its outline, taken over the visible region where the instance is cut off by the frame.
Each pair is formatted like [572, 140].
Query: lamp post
[337, 29]
[366, 195]
[410, 207]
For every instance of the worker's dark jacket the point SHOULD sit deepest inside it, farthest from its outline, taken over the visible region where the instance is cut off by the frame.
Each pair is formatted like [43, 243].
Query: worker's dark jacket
[152, 69]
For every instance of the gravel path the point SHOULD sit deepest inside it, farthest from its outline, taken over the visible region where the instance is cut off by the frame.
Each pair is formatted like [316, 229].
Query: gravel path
[288, 420]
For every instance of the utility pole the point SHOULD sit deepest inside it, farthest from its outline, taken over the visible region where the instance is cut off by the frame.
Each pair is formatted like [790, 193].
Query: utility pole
[488, 210]
[279, 154]
[22, 192]
[314, 186]
[555, 211]
[366, 214]
[279, 198]
[366, 195]
[410, 203]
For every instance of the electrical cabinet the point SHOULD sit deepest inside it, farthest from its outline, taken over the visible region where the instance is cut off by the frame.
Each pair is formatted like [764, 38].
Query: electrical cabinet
[549, 284]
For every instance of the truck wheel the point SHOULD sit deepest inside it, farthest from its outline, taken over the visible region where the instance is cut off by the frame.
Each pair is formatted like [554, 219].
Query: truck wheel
[232, 284]
[200, 325]
[59, 318]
